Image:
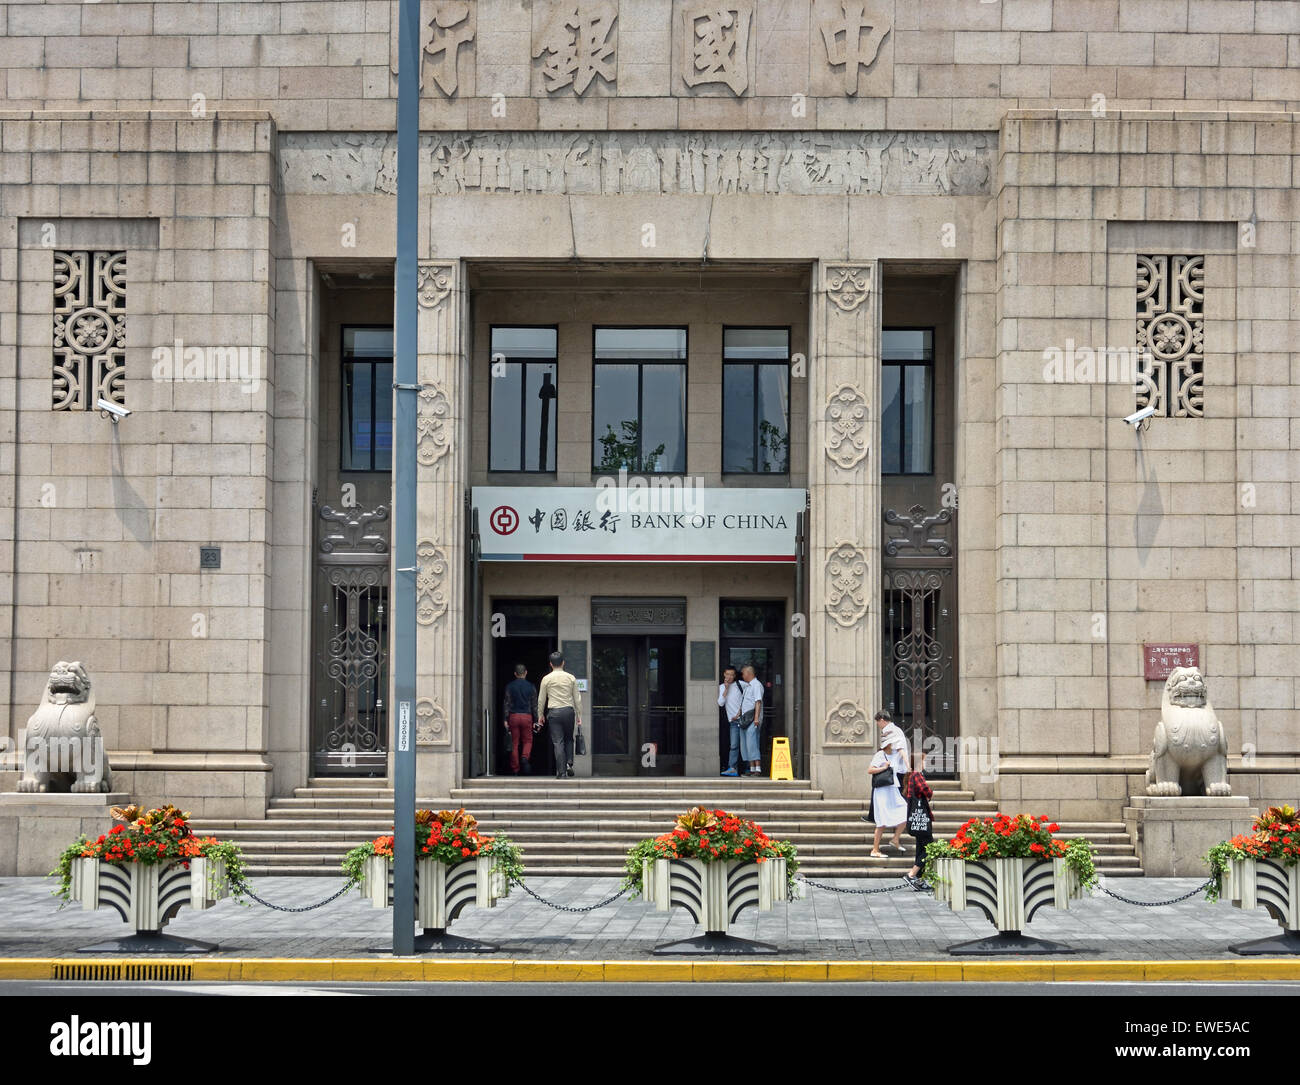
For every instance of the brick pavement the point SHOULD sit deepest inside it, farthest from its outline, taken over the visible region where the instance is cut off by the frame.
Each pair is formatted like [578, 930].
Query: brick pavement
[827, 926]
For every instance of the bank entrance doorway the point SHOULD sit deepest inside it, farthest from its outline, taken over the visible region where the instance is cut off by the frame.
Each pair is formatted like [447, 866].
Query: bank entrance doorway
[529, 626]
[753, 633]
[638, 705]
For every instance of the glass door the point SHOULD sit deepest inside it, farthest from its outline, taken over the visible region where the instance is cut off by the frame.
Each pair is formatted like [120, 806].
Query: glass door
[638, 705]
[613, 697]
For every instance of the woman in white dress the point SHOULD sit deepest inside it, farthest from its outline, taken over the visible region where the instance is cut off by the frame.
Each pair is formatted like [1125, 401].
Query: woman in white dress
[888, 810]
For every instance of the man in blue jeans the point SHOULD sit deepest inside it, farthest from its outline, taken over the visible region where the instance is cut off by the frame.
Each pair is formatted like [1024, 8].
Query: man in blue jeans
[729, 699]
[751, 718]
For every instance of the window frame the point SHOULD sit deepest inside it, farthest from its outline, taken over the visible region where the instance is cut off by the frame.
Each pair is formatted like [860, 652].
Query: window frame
[902, 364]
[523, 406]
[601, 472]
[754, 364]
[345, 432]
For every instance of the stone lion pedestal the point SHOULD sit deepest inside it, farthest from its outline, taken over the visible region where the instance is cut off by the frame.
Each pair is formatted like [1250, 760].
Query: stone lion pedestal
[1189, 805]
[36, 827]
[1172, 833]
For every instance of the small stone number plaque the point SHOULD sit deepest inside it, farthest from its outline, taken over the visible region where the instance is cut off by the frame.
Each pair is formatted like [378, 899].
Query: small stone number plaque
[1158, 660]
[209, 557]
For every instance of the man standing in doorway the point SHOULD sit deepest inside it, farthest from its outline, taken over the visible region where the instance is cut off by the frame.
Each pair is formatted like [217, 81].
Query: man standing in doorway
[559, 699]
[520, 711]
[751, 718]
[729, 698]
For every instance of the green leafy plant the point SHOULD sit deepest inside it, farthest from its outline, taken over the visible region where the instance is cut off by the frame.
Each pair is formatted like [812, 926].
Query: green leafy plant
[1275, 834]
[451, 837]
[712, 836]
[152, 838]
[1020, 837]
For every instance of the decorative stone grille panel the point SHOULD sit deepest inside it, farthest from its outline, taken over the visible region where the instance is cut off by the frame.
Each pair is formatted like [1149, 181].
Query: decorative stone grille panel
[89, 329]
[1171, 335]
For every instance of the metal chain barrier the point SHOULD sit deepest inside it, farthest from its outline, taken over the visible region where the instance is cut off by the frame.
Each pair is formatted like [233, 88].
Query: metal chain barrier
[308, 908]
[568, 907]
[857, 892]
[1153, 903]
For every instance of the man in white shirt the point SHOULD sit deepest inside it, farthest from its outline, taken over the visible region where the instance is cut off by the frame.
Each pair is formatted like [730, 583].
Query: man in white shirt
[751, 718]
[729, 699]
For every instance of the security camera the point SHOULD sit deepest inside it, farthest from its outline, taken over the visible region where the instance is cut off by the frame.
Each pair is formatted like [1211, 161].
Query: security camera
[114, 412]
[1138, 417]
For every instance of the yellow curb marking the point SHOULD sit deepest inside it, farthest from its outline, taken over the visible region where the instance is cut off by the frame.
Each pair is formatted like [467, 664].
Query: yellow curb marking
[361, 969]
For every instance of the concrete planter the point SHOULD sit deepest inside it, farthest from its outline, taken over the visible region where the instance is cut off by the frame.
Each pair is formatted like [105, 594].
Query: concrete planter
[1009, 892]
[1273, 886]
[713, 893]
[148, 896]
[442, 892]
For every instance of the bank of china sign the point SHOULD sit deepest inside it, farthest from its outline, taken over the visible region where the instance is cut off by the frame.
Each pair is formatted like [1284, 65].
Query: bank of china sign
[628, 523]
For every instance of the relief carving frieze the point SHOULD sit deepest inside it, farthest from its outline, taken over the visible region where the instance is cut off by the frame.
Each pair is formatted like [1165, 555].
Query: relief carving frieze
[669, 163]
[430, 582]
[848, 285]
[846, 584]
[430, 723]
[432, 425]
[846, 427]
[847, 725]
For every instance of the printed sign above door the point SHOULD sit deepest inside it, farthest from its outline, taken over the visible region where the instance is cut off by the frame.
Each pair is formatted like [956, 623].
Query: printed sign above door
[654, 524]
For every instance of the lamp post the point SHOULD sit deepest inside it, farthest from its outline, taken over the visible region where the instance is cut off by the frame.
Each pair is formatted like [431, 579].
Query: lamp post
[405, 399]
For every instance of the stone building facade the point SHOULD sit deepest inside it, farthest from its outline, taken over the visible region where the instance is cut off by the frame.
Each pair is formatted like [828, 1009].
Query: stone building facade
[955, 236]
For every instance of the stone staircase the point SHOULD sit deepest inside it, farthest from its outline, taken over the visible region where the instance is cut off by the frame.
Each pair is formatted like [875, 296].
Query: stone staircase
[584, 826]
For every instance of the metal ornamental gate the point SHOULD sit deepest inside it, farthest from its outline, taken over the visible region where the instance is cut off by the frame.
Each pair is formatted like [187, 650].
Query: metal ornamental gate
[350, 644]
[919, 629]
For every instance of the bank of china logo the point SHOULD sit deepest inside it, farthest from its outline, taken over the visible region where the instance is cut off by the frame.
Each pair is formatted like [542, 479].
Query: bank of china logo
[504, 520]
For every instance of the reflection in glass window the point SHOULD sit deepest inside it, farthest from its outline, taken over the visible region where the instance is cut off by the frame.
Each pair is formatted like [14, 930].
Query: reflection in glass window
[907, 398]
[367, 399]
[756, 401]
[638, 400]
[523, 408]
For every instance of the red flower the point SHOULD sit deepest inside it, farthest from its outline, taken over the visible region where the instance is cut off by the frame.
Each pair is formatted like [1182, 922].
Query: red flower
[464, 851]
[1037, 848]
[117, 829]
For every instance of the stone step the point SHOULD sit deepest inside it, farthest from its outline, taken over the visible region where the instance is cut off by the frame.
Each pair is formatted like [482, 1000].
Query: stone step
[890, 869]
[621, 836]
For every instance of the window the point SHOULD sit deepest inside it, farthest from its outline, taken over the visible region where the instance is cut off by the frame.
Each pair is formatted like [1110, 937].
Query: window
[639, 400]
[756, 401]
[367, 398]
[907, 392]
[523, 408]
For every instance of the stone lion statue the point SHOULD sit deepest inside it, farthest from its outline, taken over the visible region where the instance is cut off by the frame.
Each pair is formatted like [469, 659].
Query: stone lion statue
[63, 749]
[1189, 755]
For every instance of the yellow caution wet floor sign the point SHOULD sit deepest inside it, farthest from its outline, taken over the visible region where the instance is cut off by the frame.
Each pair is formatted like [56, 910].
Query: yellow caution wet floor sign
[781, 766]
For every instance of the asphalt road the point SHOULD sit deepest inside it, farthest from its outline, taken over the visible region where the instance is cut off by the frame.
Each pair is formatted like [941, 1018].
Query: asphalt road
[38, 988]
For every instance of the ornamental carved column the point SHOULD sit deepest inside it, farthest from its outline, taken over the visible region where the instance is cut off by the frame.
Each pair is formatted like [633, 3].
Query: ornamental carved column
[442, 471]
[844, 553]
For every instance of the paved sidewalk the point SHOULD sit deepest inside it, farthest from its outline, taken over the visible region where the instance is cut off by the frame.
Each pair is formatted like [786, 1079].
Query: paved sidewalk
[901, 925]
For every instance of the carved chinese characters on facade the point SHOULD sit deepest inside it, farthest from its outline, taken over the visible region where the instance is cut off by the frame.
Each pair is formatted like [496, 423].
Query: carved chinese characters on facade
[448, 27]
[846, 584]
[89, 329]
[716, 44]
[852, 31]
[685, 163]
[577, 44]
[1171, 335]
[846, 427]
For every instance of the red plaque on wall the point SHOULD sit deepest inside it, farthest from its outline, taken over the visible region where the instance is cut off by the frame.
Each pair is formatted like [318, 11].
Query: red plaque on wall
[1159, 659]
